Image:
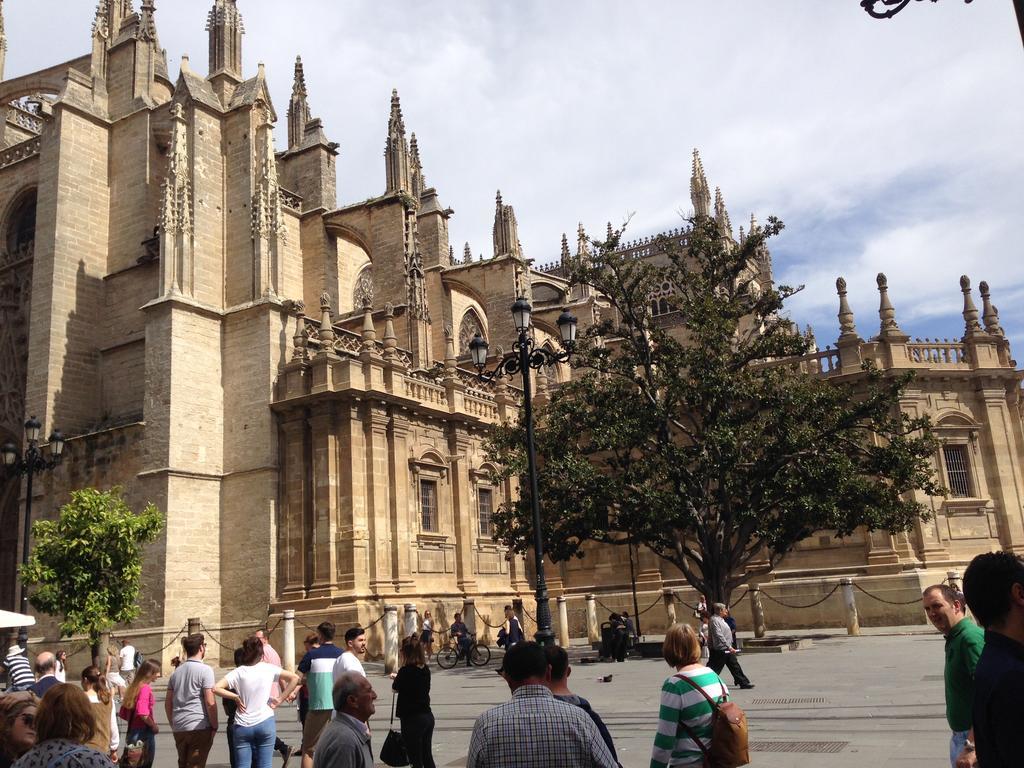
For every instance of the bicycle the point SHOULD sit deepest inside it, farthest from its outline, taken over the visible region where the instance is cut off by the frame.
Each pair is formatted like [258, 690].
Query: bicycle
[450, 655]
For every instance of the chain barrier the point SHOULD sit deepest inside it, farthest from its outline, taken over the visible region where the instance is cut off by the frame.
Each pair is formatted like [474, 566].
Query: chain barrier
[481, 617]
[529, 615]
[377, 620]
[645, 610]
[209, 634]
[303, 624]
[181, 632]
[604, 606]
[809, 605]
[883, 600]
[693, 608]
[738, 599]
[270, 630]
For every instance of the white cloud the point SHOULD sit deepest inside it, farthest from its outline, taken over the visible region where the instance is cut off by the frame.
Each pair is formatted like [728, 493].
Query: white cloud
[892, 145]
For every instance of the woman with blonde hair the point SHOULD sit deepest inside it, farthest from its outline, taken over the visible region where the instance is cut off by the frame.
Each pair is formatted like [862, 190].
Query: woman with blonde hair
[685, 740]
[106, 738]
[64, 725]
[17, 725]
[138, 707]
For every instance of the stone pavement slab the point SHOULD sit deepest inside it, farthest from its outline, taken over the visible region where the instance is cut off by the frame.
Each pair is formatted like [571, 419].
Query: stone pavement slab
[875, 700]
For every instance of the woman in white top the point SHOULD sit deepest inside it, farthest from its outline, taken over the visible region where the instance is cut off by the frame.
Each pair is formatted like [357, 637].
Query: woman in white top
[427, 635]
[250, 687]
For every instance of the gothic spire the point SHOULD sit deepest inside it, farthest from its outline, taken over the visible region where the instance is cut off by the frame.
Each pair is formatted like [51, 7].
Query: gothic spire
[722, 214]
[467, 254]
[847, 329]
[565, 252]
[970, 313]
[298, 107]
[396, 151]
[582, 243]
[3, 41]
[268, 227]
[700, 193]
[506, 230]
[147, 23]
[990, 315]
[886, 311]
[416, 179]
[176, 253]
[224, 24]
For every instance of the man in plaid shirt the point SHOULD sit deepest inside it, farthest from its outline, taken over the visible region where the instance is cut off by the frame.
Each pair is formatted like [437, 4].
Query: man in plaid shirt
[535, 730]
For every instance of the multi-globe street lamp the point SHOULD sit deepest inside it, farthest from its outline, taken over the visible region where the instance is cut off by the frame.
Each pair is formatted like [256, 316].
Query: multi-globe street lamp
[886, 9]
[32, 463]
[524, 356]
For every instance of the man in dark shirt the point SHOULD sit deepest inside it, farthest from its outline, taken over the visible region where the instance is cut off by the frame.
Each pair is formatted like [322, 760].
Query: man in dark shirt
[46, 668]
[558, 660]
[460, 632]
[994, 588]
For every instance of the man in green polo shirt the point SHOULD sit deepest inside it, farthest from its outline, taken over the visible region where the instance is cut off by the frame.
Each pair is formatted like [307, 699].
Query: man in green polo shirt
[964, 643]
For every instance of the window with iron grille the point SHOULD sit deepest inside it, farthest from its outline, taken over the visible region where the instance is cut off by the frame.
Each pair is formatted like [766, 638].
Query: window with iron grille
[485, 507]
[428, 504]
[958, 478]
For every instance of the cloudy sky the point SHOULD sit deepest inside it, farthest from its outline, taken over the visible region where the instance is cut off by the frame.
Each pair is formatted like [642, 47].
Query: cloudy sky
[884, 145]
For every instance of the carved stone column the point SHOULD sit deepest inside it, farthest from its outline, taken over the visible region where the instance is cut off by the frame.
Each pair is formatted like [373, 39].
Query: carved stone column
[295, 506]
[355, 567]
[401, 525]
[462, 509]
[325, 500]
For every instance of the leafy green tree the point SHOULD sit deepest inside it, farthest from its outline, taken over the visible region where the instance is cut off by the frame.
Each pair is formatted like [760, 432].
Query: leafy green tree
[86, 565]
[709, 443]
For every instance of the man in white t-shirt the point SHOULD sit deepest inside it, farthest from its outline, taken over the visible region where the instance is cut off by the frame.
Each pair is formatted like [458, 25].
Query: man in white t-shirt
[127, 656]
[355, 649]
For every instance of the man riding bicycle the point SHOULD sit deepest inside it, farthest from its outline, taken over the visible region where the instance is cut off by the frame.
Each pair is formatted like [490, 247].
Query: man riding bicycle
[463, 639]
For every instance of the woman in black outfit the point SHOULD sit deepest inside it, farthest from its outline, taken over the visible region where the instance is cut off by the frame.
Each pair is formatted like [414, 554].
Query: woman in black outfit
[413, 687]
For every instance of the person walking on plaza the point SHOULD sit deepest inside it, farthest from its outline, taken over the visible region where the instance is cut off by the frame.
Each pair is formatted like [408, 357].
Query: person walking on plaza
[412, 684]
[138, 707]
[994, 588]
[111, 670]
[460, 633]
[316, 670]
[106, 737]
[514, 634]
[965, 640]
[345, 741]
[685, 716]
[310, 642]
[19, 671]
[722, 651]
[535, 728]
[190, 704]
[46, 671]
[17, 725]
[558, 661]
[427, 635]
[127, 657]
[64, 725]
[250, 685]
[272, 657]
[619, 637]
[61, 667]
[355, 649]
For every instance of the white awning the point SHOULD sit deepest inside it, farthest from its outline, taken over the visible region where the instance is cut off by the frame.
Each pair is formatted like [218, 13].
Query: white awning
[10, 619]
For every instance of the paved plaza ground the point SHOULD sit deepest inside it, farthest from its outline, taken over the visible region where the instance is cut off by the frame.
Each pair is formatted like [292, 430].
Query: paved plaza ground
[875, 700]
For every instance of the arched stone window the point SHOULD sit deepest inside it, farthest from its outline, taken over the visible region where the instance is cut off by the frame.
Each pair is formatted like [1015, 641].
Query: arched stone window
[362, 294]
[468, 328]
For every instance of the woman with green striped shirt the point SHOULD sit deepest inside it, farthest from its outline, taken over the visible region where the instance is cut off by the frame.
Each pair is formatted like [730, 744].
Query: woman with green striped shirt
[685, 714]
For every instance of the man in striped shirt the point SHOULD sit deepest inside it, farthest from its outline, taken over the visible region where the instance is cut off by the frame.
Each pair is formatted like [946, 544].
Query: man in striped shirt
[19, 673]
[535, 730]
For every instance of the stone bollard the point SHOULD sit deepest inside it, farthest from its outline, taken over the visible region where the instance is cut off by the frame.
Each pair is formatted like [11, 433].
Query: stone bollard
[953, 579]
[390, 639]
[469, 614]
[670, 606]
[757, 612]
[411, 620]
[850, 607]
[563, 622]
[193, 626]
[288, 644]
[593, 628]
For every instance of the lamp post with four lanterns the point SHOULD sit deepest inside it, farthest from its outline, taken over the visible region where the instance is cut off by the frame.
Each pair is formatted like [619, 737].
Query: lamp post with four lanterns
[32, 463]
[524, 356]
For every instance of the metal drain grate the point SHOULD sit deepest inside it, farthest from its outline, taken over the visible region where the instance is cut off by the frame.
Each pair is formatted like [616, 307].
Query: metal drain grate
[808, 747]
[806, 700]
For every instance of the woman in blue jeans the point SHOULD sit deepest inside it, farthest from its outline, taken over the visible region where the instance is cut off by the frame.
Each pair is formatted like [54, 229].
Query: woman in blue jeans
[139, 708]
[249, 686]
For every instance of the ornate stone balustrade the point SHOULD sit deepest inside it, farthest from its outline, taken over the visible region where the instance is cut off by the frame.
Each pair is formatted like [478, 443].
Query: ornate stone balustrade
[17, 153]
[290, 199]
[823, 363]
[937, 353]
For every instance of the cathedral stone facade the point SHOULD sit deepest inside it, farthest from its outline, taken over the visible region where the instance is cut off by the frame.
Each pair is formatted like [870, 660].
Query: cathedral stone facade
[287, 378]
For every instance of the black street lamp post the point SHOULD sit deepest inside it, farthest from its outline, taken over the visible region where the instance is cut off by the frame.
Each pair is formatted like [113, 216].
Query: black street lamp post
[886, 9]
[32, 463]
[524, 356]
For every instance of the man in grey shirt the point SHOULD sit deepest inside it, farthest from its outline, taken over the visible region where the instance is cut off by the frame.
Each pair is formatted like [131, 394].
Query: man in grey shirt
[720, 642]
[345, 742]
[190, 706]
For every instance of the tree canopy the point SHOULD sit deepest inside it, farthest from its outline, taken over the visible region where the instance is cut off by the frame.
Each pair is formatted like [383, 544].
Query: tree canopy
[707, 442]
[86, 565]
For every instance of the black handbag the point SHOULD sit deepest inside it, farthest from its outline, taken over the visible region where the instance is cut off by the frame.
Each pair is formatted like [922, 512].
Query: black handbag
[392, 751]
